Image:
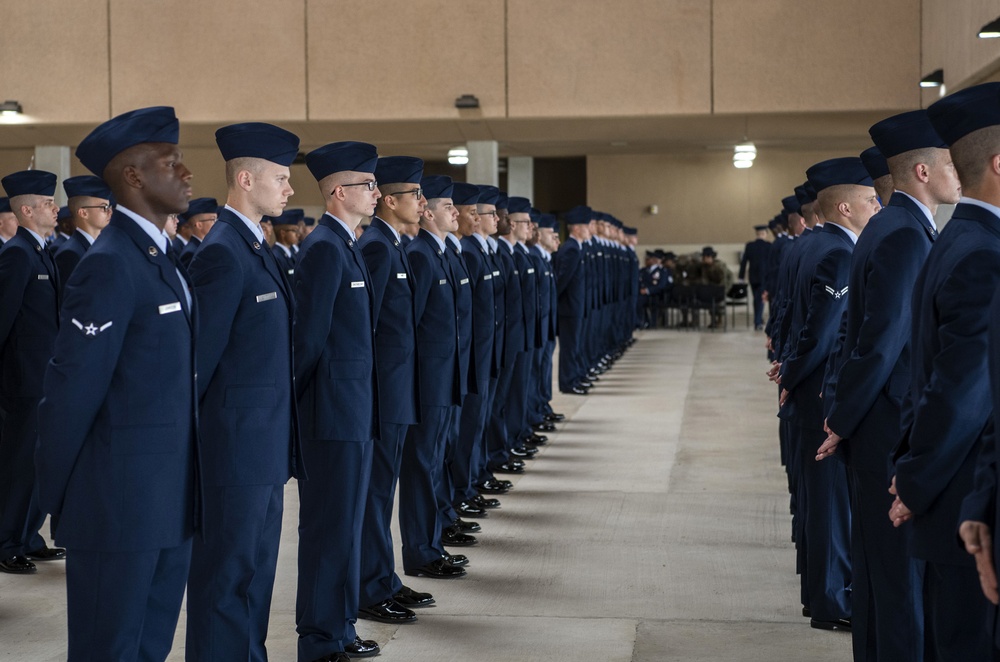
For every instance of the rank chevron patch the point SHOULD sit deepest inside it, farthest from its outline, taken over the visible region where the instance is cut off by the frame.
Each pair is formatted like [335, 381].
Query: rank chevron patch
[835, 293]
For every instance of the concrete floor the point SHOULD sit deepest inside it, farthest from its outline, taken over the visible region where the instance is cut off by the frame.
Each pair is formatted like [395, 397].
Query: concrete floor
[653, 527]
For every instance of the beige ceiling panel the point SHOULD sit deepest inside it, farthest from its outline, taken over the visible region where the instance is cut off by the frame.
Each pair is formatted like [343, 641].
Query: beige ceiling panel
[404, 60]
[625, 58]
[219, 61]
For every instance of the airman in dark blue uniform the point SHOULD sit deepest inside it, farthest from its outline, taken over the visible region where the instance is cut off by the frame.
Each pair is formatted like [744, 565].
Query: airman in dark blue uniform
[820, 294]
[383, 596]
[29, 321]
[571, 289]
[200, 217]
[337, 400]
[286, 235]
[249, 424]
[117, 455]
[90, 203]
[756, 253]
[951, 408]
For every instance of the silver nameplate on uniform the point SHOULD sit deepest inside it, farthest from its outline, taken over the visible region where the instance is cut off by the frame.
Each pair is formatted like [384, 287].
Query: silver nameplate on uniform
[488, 277]
[516, 272]
[266, 297]
[464, 281]
[599, 253]
[43, 276]
[291, 272]
[442, 281]
[531, 271]
[357, 283]
[496, 273]
[170, 307]
[546, 273]
[401, 276]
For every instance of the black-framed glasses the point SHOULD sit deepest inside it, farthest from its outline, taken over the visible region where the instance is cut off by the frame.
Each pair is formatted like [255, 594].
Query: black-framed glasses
[371, 184]
[486, 213]
[417, 192]
[105, 207]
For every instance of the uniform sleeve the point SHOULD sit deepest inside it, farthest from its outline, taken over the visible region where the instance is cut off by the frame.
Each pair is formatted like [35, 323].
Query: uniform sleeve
[569, 264]
[822, 319]
[95, 317]
[953, 409]
[316, 281]
[421, 283]
[218, 287]
[884, 328]
[376, 257]
[15, 270]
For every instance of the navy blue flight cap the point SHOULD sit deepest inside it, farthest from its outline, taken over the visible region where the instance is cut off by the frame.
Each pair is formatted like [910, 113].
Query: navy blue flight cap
[875, 162]
[288, 217]
[309, 221]
[959, 114]
[802, 196]
[773, 224]
[342, 157]
[88, 185]
[199, 206]
[257, 140]
[157, 124]
[399, 170]
[547, 221]
[64, 213]
[29, 182]
[437, 186]
[502, 199]
[4, 205]
[518, 205]
[791, 204]
[837, 172]
[579, 215]
[465, 194]
[631, 231]
[905, 132]
[488, 195]
[760, 228]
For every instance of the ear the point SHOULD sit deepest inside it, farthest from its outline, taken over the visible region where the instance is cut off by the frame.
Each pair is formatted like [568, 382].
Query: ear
[244, 179]
[844, 208]
[132, 177]
[922, 173]
[995, 164]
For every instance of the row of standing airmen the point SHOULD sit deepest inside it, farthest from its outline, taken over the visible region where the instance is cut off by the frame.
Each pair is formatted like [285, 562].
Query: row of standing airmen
[178, 400]
[883, 338]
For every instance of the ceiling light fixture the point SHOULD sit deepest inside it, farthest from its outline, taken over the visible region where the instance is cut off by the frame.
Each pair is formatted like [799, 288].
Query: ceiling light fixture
[458, 156]
[9, 108]
[744, 155]
[991, 30]
[933, 79]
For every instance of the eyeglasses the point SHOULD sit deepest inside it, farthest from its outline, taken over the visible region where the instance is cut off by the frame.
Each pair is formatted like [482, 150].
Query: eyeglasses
[105, 207]
[487, 213]
[371, 184]
[417, 192]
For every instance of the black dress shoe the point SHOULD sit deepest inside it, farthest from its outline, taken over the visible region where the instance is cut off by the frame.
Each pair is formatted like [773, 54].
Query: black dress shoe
[437, 569]
[538, 439]
[411, 599]
[586, 384]
[836, 624]
[17, 565]
[523, 452]
[457, 560]
[47, 554]
[509, 468]
[362, 648]
[334, 657]
[467, 527]
[593, 376]
[806, 612]
[555, 417]
[544, 426]
[469, 510]
[387, 611]
[483, 502]
[452, 537]
[492, 487]
[578, 390]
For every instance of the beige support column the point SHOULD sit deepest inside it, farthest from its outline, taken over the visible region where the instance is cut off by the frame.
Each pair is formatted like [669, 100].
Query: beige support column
[55, 159]
[483, 163]
[521, 176]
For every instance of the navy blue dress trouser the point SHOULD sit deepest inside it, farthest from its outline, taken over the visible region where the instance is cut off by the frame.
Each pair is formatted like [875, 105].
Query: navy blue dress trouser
[379, 580]
[20, 516]
[423, 462]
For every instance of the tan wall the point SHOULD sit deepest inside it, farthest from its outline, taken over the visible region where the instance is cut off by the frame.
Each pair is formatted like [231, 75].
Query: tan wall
[224, 60]
[767, 52]
[404, 59]
[950, 42]
[702, 198]
[630, 57]
[54, 58]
